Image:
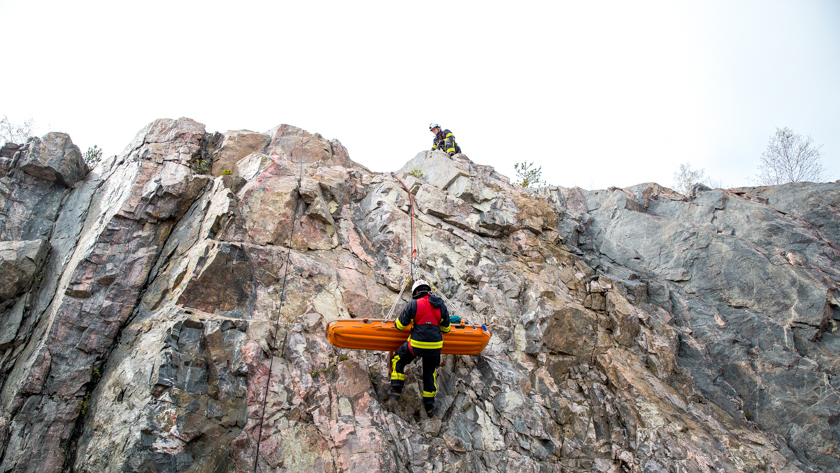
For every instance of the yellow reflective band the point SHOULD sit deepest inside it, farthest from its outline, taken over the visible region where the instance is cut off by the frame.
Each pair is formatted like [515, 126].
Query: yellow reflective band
[394, 361]
[429, 394]
[445, 329]
[400, 326]
[448, 135]
[427, 345]
[434, 377]
[450, 149]
[398, 376]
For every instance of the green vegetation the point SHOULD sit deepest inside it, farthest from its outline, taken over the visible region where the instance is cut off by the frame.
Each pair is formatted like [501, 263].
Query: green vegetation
[325, 370]
[97, 375]
[528, 176]
[84, 403]
[201, 164]
[330, 367]
[417, 173]
[92, 156]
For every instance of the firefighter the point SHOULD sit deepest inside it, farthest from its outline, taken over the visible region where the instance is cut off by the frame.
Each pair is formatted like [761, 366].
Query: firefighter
[431, 319]
[444, 140]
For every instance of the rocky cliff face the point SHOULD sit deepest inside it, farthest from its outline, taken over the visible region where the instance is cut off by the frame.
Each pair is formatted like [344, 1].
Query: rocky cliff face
[148, 313]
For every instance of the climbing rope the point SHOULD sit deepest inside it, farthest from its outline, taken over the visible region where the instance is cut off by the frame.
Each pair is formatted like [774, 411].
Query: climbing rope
[405, 284]
[415, 266]
[429, 278]
[411, 212]
[413, 263]
[277, 324]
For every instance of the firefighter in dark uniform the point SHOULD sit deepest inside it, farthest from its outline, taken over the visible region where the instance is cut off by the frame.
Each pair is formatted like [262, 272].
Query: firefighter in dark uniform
[431, 321]
[444, 140]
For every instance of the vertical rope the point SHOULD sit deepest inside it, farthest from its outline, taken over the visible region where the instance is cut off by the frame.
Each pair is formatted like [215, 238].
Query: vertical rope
[404, 285]
[277, 323]
[411, 212]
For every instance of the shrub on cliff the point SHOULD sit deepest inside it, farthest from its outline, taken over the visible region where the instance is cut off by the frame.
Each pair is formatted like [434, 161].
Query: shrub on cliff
[15, 132]
[92, 156]
[789, 158]
[528, 176]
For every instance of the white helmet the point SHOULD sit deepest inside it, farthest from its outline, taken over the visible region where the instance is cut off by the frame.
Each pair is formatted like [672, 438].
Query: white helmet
[433, 125]
[419, 283]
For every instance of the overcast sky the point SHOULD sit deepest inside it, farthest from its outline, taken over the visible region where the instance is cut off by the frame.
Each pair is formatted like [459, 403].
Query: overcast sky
[598, 93]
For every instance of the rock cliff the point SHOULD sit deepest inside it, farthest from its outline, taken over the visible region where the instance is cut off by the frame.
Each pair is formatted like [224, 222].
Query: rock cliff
[150, 308]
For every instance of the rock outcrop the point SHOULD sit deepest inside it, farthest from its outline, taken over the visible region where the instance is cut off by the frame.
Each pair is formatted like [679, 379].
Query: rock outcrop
[165, 312]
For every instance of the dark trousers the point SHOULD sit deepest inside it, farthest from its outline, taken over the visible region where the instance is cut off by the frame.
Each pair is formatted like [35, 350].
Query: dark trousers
[402, 357]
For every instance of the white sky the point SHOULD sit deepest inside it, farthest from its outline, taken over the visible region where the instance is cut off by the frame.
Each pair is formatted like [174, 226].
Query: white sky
[598, 93]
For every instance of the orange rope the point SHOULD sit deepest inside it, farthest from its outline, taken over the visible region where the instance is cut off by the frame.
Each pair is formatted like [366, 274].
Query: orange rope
[413, 241]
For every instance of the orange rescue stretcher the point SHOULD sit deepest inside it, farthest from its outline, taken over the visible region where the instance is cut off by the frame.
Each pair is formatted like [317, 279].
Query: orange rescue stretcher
[382, 335]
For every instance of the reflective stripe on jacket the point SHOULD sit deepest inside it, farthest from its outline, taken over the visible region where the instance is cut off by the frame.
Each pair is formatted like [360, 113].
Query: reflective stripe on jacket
[431, 318]
[445, 141]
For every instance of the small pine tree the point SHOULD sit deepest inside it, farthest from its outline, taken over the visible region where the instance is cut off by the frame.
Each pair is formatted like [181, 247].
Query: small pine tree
[92, 156]
[528, 176]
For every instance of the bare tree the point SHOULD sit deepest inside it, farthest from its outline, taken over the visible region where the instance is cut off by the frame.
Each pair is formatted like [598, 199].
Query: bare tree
[14, 132]
[789, 158]
[715, 183]
[687, 177]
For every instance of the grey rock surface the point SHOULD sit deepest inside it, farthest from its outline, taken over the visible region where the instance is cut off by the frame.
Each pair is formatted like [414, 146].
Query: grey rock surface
[178, 324]
[816, 203]
[53, 157]
[20, 263]
[751, 278]
[93, 291]
[8, 152]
